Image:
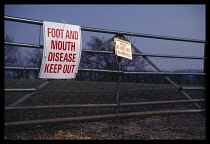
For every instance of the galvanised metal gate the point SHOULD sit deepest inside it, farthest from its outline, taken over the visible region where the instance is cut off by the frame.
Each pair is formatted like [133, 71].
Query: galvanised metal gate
[121, 91]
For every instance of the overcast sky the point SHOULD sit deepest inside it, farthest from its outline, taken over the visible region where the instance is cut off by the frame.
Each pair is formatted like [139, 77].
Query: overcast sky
[185, 21]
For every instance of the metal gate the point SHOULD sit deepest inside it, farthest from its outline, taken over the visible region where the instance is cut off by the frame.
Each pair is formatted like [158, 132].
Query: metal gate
[116, 92]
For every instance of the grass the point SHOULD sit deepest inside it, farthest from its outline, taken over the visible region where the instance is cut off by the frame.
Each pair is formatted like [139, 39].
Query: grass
[83, 92]
[59, 135]
[22, 83]
[78, 85]
[79, 92]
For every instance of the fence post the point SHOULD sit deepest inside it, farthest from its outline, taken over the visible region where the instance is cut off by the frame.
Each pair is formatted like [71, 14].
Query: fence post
[118, 61]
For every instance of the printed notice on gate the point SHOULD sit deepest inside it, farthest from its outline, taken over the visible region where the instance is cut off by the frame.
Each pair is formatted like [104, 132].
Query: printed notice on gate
[122, 48]
[62, 51]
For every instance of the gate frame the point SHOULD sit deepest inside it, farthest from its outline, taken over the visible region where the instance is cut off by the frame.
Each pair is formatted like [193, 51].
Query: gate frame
[139, 53]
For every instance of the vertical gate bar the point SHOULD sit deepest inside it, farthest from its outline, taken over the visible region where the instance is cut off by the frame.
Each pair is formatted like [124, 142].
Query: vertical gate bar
[166, 77]
[118, 60]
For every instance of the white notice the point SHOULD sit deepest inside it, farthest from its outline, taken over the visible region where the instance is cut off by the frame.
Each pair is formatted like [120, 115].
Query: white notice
[62, 51]
[123, 48]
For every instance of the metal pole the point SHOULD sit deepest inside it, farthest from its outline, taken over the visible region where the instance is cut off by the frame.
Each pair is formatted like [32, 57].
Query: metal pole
[100, 105]
[111, 71]
[106, 52]
[118, 60]
[20, 90]
[10, 18]
[100, 117]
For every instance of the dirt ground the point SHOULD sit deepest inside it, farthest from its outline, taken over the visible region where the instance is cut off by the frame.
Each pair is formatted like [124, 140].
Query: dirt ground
[190, 126]
[182, 126]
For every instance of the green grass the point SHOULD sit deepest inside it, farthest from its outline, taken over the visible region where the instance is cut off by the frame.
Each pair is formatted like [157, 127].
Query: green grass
[22, 83]
[83, 92]
[77, 92]
[75, 85]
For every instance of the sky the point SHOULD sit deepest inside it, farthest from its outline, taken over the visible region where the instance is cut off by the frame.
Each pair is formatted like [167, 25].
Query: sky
[184, 21]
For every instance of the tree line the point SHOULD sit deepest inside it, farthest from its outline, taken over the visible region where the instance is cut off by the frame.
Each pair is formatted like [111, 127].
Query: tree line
[14, 57]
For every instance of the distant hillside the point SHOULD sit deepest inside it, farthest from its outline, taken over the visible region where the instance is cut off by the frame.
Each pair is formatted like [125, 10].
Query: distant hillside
[189, 71]
[191, 79]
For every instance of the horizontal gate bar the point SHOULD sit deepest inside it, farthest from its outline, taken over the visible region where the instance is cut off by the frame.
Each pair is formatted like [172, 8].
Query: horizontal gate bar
[60, 106]
[100, 105]
[101, 116]
[168, 56]
[193, 88]
[149, 55]
[20, 90]
[97, 51]
[78, 90]
[164, 73]
[32, 89]
[161, 102]
[99, 70]
[93, 70]
[114, 71]
[16, 19]
[106, 52]
[22, 20]
[21, 68]
[23, 45]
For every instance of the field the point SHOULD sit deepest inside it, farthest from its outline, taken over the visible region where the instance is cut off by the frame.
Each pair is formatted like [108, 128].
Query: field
[61, 92]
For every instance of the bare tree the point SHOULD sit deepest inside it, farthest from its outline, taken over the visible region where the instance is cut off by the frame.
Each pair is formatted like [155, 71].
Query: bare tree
[21, 62]
[10, 52]
[107, 61]
[10, 56]
[13, 56]
[98, 60]
[136, 64]
[34, 59]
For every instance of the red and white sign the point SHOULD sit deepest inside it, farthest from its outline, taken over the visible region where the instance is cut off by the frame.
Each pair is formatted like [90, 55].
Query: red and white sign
[123, 48]
[62, 51]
